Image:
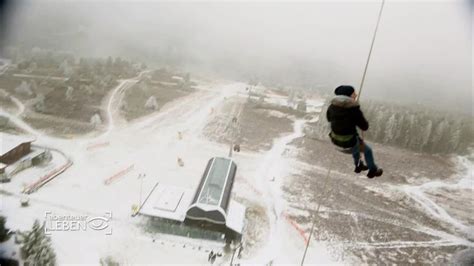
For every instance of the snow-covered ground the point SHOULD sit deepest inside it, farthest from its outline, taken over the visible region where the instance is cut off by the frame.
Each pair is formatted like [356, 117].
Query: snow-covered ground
[103, 180]
[462, 186]
[4, 64]
[150, 146]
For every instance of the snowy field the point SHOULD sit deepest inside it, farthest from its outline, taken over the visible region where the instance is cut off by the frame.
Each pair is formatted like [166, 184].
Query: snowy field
[103, 180]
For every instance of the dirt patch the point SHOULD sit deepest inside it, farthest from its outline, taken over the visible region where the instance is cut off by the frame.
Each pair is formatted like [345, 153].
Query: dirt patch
[9, 83]
[83, 101]
[134, 102]
[43, 86]
[257, 126]
[365, 217]
[400, 166]
[163, 75]
[356, 218]
[57, 114]
[50, 71]
[406, 256]
[58, 127]
[256, 229]
[7, 104]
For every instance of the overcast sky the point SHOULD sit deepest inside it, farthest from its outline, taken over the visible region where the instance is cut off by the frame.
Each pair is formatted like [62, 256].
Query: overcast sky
[423, 51]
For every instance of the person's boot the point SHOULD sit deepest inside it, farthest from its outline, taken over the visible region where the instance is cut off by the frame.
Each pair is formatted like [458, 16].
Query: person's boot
[361, 167]
[375, 172]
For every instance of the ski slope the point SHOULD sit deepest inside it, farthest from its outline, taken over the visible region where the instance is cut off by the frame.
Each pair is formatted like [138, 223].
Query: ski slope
[150, 146]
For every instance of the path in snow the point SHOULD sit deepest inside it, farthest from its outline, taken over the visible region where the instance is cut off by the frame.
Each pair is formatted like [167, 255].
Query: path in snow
[419, 194]
[155, 137]
[151, 145]
[270, 174]
[19, 104]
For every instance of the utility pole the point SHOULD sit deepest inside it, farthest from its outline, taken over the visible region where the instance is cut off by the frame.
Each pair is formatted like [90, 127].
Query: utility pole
[234, 249]
[232, 127]
[230, 148]
[141, 176]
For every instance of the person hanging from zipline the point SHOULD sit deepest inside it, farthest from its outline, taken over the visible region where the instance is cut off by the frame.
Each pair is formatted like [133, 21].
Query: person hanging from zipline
[345, 116]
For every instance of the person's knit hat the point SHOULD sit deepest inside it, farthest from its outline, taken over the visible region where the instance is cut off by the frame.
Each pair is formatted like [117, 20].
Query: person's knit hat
[344, 90]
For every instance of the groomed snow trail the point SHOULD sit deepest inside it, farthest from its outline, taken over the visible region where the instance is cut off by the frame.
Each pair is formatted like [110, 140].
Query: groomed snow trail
[462, 182]
[151, 146]
[269, 176]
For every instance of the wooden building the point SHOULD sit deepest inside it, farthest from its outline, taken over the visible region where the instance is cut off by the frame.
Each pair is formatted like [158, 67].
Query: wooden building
[13, 147]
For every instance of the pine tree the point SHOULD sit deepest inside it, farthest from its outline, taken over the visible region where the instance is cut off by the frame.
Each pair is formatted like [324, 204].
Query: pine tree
[416, 133]
[438, 134]
[66, 69]
[3, 230]
[410, 129]
[95, 120]
[379, 132]
[151, 103]
[390, 129]
[24, 88]
[455, 138]
[398, 130]
[36, 246]
[39, 103]
[426, 134]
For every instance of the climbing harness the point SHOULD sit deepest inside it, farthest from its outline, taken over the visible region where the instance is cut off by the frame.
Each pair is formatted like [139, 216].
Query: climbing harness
[358, 97]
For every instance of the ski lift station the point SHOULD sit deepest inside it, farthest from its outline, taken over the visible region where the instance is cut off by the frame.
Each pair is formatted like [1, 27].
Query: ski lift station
[206, 212]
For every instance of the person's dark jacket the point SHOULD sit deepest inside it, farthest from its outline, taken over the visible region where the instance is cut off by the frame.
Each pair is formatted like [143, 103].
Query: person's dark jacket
[345, 115]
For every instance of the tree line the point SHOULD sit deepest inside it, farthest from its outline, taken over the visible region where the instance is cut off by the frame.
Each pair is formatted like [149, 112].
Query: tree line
[415, 128]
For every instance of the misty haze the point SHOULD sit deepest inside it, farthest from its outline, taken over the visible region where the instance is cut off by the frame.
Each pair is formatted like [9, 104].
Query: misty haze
[158, 132]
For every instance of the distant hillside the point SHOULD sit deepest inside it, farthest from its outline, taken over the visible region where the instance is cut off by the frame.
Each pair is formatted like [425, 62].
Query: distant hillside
[412, 127]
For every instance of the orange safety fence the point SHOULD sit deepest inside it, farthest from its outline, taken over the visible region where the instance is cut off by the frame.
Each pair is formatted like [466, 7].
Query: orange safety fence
[97, 145]
[297, 227]
[46, 178]
[111, 179]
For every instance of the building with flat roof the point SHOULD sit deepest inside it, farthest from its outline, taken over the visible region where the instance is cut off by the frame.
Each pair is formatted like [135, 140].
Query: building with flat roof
[2, 168]
[209, 207]
[13, 147]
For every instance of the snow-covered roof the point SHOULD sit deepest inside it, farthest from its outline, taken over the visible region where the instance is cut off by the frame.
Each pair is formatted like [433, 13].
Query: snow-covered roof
[168, 202]
[210, 202]
[2, 166]
[8, 142]
[235, 216]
